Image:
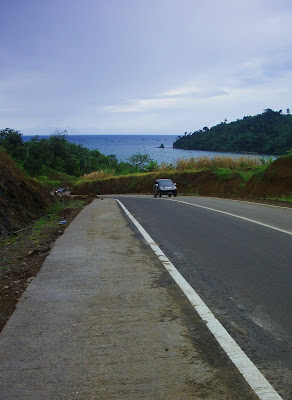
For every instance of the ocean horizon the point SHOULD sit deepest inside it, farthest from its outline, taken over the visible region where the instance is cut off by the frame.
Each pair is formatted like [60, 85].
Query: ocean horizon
[124, 146]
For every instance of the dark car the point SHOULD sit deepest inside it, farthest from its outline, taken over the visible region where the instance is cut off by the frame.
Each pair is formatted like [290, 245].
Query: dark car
[164, 186]
[60, 191]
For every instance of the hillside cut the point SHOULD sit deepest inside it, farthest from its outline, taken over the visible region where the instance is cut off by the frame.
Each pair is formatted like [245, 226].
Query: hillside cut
[22, 200]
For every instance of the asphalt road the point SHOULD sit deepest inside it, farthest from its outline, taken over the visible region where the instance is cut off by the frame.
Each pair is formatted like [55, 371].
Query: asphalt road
[242, 270]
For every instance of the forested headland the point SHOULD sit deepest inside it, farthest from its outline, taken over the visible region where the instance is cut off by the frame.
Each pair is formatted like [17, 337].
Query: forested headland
[266, 133]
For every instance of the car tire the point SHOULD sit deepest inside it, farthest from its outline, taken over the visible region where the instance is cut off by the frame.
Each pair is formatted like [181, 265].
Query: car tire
[175, 194]
[169, 195]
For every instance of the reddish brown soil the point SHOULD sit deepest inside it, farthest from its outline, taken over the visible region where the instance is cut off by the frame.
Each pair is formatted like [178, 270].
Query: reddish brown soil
[275, 182]
[22, 200]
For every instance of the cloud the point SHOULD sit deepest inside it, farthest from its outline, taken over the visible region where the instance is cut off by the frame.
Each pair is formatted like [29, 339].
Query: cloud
[183, 96]
[258, 71]
[182, 91]
[143, 105]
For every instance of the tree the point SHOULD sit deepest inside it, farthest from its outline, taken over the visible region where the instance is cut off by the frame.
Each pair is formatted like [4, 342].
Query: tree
[139, 161]
[11, 140]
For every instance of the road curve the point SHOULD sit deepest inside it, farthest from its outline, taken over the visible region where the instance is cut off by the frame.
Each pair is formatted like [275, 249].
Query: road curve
[241, 269]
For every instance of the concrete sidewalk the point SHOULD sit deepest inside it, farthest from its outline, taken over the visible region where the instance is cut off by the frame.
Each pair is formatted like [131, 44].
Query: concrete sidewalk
[96, 324]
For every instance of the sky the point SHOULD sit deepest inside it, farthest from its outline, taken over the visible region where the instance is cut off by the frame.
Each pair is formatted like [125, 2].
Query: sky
[141, 66]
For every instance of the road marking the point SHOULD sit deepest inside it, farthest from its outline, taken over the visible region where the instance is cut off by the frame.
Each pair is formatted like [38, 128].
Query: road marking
[246, 367]
[233, 215]
[243, 201]
[253, 202]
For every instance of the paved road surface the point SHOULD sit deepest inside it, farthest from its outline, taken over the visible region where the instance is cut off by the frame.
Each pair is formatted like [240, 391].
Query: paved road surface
[242, 270]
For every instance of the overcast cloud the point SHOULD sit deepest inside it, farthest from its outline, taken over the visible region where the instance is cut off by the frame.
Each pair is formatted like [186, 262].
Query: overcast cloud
[141, 66]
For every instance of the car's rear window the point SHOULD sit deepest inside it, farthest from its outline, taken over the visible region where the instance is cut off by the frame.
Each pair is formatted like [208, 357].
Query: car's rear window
[165, 182]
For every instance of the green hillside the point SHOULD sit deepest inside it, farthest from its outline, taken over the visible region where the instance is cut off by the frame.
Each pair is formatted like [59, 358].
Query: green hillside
[266, 133]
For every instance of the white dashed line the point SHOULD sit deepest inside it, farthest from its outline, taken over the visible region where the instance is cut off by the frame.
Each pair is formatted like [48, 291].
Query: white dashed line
[246, 367]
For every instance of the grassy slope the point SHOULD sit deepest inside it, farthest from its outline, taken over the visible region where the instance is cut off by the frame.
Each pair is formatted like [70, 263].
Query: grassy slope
[274, 180]
[202, 183]
[56, 179]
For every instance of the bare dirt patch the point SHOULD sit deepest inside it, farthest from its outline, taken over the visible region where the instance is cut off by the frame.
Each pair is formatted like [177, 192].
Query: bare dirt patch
[22, 255]
[274, 182]
[22, 200]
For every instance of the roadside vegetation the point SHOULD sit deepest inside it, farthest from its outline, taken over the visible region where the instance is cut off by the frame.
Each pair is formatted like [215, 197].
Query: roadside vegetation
[242, 163]
[218, 176]
[246, 165]
[54, 159]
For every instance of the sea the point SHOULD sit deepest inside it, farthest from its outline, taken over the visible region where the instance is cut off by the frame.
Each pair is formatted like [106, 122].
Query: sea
[124, 146]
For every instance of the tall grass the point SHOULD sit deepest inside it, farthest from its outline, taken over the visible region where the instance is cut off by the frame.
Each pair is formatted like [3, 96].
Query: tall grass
[92, 176]
[241, 163]
[238, 163]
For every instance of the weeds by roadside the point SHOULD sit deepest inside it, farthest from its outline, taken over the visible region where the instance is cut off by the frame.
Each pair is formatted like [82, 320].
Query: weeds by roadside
[200, 163]
[243, 163]
[223, 168]
[99, 175]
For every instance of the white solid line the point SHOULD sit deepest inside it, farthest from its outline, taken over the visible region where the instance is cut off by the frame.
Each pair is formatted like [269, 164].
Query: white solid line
[245, 201]
[234, 215]
[246, 367]
[254, 202]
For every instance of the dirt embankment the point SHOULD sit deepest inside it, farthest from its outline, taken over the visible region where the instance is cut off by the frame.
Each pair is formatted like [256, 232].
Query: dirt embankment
[275, 181]
[205, 183]
[21, 198]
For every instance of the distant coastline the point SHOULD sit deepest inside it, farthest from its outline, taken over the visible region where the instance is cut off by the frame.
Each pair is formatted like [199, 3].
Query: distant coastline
[124, 146]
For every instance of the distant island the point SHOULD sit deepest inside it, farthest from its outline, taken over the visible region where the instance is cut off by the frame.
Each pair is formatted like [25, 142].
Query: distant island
[266, 133]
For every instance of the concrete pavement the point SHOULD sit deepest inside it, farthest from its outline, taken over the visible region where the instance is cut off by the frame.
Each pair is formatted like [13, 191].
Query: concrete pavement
[102, 320]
